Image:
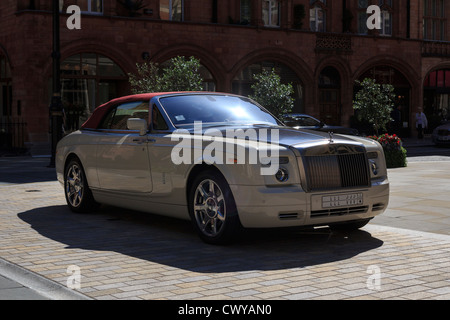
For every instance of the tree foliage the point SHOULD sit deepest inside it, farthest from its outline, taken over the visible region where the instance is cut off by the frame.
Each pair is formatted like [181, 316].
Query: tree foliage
[178, 74]
[374, 103]
[272, 94]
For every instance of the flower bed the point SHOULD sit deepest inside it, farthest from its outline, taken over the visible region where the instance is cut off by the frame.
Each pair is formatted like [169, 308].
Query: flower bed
[394, 152]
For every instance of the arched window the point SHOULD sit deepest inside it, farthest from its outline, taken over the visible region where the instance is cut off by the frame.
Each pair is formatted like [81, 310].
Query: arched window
[437, 95]
[317, 15]
[384, 74]
[87, 81]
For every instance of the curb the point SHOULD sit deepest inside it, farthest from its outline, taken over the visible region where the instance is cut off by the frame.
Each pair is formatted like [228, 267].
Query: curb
[43, 286]
[403, 231]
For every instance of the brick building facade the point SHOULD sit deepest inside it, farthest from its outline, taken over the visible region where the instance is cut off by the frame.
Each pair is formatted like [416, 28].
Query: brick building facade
[321, 54]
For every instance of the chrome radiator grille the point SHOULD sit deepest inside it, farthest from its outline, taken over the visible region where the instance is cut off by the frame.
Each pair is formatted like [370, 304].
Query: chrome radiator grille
[335, 171]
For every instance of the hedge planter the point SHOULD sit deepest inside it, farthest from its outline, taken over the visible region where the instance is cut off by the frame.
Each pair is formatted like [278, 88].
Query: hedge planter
[394, 152]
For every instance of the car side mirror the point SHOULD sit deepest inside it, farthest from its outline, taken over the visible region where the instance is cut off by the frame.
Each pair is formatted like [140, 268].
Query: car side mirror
[321, 124]
[138, 124]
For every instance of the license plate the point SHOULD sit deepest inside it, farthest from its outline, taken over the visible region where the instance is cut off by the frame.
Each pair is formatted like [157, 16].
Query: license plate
[342, 200]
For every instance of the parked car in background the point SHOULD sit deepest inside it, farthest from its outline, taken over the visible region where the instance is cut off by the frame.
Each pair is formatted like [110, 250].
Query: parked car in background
[159, 153]
[304, 121]
[441, 135]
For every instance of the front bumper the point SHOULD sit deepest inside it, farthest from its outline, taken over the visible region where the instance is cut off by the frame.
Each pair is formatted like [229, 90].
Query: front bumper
[290, 206]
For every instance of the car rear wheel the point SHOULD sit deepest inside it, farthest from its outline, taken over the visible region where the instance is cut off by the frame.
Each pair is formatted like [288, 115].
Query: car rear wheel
[213, 210]
[78, 195]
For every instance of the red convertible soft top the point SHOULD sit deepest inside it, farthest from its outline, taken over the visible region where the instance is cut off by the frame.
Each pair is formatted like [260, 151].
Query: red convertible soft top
[94, 120]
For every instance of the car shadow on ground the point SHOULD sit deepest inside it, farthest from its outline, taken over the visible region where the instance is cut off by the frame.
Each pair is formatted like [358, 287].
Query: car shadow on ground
[174, 243]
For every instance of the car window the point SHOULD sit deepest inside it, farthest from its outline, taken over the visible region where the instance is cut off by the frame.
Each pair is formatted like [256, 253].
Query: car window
[117, 118]
[302, 121]
[307, 122]
[157, 119]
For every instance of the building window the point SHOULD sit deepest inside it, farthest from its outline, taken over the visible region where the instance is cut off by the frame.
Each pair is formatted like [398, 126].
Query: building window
[271, 13]
[91, 6]
[437, 94]
[172, 10]
[87, 81]
[5, 88]
[434, 21]
[386, 17]
[317, 15]
[246, 12]
[362, 16]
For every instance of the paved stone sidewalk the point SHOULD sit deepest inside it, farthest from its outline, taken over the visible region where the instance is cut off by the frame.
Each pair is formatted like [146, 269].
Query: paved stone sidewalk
[128, 255]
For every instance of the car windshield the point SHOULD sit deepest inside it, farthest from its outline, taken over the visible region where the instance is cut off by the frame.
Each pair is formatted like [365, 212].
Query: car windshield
[212, 110]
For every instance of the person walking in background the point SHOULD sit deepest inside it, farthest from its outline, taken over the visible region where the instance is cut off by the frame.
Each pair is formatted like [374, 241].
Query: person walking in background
[421, 122]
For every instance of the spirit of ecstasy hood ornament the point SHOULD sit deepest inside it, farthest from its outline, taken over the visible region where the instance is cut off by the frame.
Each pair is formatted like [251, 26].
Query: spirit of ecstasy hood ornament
[331, 137]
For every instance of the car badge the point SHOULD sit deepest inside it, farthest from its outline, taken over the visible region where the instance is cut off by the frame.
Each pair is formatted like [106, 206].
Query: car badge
[331, 137]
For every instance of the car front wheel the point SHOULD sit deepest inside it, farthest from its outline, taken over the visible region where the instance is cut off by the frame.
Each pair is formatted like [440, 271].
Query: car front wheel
[213, 210]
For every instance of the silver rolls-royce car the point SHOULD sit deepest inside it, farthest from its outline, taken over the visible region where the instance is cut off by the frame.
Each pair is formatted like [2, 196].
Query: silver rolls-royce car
[222, 161]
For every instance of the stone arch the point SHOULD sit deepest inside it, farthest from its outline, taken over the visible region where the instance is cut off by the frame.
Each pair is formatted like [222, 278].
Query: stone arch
[436, 94]
[407, 87]
[278, 55]
[393, 62]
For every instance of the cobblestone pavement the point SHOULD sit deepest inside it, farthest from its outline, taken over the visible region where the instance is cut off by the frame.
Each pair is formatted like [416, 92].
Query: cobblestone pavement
[122, 254]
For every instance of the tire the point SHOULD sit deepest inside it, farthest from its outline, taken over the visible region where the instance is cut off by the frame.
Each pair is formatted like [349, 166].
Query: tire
[350, 226]
[213, 210]
[76, 189]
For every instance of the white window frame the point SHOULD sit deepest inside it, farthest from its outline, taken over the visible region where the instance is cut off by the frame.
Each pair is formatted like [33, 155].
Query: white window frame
[316, 19]
[269, 15]
[386, 16]
[171, 11]
[89, 8]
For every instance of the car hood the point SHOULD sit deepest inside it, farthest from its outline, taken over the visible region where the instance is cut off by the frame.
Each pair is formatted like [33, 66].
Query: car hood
[284, 136]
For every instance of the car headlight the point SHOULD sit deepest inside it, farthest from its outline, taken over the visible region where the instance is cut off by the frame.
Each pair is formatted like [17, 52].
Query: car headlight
[373, 166]
[282, 175]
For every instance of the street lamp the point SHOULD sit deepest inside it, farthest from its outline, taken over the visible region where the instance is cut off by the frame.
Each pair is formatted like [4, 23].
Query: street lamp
[56, 109]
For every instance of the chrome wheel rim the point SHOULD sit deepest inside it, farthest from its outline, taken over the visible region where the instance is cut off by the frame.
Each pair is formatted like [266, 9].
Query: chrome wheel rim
[209, 208]
[74, 185]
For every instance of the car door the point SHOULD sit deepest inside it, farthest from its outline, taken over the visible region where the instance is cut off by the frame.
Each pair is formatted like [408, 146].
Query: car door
[122, 155]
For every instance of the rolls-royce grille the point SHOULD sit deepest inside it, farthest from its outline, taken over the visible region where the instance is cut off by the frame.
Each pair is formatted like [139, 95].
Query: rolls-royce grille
[328, 172]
